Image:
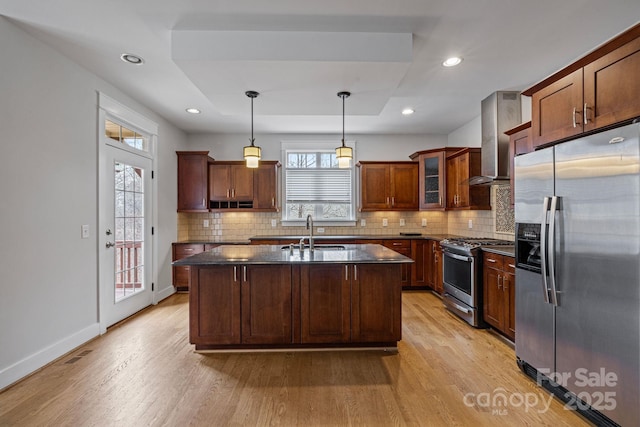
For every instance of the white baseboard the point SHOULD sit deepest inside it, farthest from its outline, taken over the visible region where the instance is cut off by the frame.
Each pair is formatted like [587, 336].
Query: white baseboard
[165, 293]
[35, 361]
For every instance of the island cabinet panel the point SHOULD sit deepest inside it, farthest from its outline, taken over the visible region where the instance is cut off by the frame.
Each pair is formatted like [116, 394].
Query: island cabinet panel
[266, 304]
[214, 299]
[375, 303]
[325, 295]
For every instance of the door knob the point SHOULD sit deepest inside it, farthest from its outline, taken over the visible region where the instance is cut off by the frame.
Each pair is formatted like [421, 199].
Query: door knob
[108, 232]
[110, 245]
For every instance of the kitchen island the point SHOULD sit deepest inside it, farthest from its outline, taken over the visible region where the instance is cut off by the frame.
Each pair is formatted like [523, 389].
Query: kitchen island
[267, 296]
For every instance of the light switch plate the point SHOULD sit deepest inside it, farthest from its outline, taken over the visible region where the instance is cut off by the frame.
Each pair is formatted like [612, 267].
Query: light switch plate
[470, 223]
[424, 222]
[320, 229]
[385, 222]
[85, 231]
[274, 223]
[205, 223]
[402, 222]
[363, 223]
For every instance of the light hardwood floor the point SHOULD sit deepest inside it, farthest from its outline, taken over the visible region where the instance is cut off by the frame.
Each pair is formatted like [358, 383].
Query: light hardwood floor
[145, 372]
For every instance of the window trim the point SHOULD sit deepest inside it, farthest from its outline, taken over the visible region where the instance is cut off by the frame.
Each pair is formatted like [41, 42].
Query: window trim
[314, 147]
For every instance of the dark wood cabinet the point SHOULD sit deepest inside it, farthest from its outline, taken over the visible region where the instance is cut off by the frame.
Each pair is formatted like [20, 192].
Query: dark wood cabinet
[432, 179]
[230, 182]
[499, 292]
[214, 305]
[436, 267]
[391, 186]
[598, 90]
[421, 269]
[241, 304]
[520, 142]
[266, 304]
[460, 166]
[403, 247]
[265, 186]
[375, 303]
[325, 304]
[182, 274]
[192, 181]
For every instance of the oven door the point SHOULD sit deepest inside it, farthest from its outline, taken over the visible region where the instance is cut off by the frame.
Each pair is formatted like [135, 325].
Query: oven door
[459, 277]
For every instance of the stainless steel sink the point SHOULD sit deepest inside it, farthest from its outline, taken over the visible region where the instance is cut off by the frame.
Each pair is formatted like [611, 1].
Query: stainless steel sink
[317, 247]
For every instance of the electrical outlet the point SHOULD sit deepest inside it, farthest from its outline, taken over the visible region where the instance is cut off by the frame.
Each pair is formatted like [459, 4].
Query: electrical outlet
[385, 222]
[320, 229]
[85, 231]
[363, 223]
[274, 223]
[205, 223]
[402, 222]
[424, 222]
[470, 223]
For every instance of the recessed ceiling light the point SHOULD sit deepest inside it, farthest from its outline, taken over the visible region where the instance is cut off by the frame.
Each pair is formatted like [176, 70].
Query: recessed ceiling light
[452, 62]
[408, 111]
[132, 59]
[192, 110]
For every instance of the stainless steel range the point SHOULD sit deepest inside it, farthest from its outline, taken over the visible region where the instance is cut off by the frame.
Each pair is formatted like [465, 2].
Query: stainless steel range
[462, 276]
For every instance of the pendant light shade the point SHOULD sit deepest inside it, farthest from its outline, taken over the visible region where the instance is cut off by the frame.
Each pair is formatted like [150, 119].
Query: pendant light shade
[252, 154]
[344, 154]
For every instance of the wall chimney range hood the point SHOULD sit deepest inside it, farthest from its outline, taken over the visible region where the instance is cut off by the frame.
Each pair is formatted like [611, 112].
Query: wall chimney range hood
[500, 112]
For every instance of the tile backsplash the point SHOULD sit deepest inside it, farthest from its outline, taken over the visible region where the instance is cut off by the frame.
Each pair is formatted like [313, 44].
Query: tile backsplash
[240, 226]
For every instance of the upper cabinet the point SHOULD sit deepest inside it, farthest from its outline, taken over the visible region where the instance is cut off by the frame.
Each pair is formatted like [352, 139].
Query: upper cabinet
[192, 181]
[461, 166]
[520, 142]
[205, 184]
[432, 178]
[391, 186]
[596, 91]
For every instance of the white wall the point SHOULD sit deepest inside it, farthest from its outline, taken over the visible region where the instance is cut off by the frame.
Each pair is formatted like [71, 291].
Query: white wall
[369, 147]
[48, 187]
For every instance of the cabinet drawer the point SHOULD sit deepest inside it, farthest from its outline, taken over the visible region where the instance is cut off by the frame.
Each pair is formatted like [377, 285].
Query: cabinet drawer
[509, 264]
[398, 245]
[492, 260]
[187, 249]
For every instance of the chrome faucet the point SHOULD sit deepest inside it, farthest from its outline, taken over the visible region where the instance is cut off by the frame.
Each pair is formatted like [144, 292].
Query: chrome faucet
[310, 228]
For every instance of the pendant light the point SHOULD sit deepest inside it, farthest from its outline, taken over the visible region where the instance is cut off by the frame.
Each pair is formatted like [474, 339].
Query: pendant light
[252, 154]
[344, 154]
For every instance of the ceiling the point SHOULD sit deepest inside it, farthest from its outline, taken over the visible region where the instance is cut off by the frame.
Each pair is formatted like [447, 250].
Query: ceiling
[299, 54]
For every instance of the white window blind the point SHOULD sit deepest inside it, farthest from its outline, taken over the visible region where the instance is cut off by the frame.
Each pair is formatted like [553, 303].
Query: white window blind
[318, 185]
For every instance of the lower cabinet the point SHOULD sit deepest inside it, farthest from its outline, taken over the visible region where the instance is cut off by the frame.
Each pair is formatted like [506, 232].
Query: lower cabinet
[403, 247]
[181, 274]
[246, 306]
[499, 292]
[437, 267]
[243, 304]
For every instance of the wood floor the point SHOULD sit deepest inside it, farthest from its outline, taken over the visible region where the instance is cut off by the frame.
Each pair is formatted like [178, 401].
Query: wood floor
[145, 372]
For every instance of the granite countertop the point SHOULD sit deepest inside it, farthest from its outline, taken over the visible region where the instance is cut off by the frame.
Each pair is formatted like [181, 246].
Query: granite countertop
[358, 237]
[274, 254]
[506, 250]
[209, 242]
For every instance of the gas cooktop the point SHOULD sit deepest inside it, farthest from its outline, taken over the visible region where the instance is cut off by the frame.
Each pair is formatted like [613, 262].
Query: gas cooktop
[469, 243]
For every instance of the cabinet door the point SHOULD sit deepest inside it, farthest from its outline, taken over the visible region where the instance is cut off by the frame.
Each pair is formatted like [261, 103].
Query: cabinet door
[462, 177]
[325, 294]
[376, 303]
[421, 274]
[519, 143]
[264, 187]
[242, 182]
[556, 110]
[509, 289]
[404, 186]
[215, 300]
[452, 182]
[436, 259]
[266, 304]
[612, 87]
[402, 247]
[219, 182]
[431, 180]
[192, 181]
[493, 306]
[375, 186]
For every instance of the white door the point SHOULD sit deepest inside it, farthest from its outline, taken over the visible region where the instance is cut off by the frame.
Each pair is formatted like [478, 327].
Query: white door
[124, 235]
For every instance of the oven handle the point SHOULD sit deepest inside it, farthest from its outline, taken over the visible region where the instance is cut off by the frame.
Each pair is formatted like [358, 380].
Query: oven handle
[459, 257]
[462, 309]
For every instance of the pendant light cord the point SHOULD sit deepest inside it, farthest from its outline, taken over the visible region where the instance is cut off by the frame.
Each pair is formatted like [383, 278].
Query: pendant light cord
[252, 139]
[343, 96]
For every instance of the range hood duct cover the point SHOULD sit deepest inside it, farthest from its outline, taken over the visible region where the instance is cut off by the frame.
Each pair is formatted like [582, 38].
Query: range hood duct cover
[500, 112]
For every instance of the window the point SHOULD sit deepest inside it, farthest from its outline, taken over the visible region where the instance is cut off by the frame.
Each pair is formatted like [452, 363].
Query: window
[126, 136]
[315, 185]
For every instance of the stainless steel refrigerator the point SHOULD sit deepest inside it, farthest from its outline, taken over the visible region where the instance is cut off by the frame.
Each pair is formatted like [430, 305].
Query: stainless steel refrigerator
[577, 211]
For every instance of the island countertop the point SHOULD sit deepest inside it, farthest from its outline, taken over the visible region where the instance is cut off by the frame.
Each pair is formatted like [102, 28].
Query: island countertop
[274, 254]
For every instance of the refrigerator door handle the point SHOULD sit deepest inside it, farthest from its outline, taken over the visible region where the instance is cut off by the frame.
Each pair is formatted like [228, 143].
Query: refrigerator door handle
[543, 249]
[552, 250]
